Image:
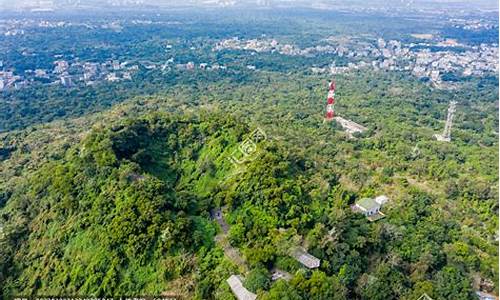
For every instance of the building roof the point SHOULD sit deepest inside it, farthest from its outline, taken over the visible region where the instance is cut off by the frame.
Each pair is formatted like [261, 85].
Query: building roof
[367, 204]
[280, 274]
[306, 259]
[485, 296]
[350, 125]
[382, 199]
[239, 291]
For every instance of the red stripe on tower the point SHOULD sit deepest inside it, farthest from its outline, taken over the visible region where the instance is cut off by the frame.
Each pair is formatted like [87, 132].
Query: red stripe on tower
[330, 112]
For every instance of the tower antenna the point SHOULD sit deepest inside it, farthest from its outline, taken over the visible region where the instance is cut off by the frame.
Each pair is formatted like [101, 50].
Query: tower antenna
[349, 126]
[446, 136]
[330, 102]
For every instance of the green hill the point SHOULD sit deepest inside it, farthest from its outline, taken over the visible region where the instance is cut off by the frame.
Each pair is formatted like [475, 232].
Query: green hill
[118, 202]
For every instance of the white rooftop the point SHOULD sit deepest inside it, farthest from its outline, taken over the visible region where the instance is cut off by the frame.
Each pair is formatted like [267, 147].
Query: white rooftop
[350, 126]
[239, 291]
[306, 259]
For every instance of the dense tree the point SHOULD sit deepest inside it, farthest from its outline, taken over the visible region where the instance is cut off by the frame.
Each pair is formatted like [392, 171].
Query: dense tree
[258, 279]
[452, 284]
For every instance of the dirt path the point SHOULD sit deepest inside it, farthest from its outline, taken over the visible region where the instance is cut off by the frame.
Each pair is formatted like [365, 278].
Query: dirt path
[230, 252]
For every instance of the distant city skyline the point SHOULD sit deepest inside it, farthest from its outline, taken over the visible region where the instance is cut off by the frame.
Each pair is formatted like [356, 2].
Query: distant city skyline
[481, 4]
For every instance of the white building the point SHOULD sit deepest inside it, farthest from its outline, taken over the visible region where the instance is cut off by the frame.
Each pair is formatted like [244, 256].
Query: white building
[306, 259]
[239, 291]
[66, 81]
[61, 66]
[370, 206]
[485, 296]
[435, 75]
[112, 77]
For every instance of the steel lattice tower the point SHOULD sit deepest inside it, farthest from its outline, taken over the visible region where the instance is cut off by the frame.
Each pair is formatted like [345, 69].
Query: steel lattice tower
[446, 136]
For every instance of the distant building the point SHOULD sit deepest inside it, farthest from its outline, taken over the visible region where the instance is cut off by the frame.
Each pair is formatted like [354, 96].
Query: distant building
[306, 259]
[61, 66]
[467, 72]
[66, 81]
[116, 65]
[485, 296]
[20, 84]
[127, 76]
[419, 71]
[317, 70]
[370, 207]
[350, 127]
[112, 77]
[40, 73]
[435, 75]
[448, 43]
[381, 43]
[87, 76]
[239, 291]
[386, 53]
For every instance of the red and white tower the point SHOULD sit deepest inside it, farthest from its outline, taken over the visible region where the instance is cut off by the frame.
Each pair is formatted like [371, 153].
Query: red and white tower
[330, 112]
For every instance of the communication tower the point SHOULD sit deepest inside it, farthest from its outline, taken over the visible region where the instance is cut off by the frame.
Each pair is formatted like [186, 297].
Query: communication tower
[446, 136]
[330, 102]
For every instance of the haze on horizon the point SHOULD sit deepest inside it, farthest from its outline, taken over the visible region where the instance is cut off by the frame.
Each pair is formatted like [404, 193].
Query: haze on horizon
[479, 4]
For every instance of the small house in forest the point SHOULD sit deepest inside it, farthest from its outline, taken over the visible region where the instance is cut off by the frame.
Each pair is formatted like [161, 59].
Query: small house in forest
[370, 207]
[305, 258]
[485, 296]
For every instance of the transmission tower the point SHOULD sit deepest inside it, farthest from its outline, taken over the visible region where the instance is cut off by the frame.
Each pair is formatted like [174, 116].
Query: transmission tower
[446, 136]
[330, 112]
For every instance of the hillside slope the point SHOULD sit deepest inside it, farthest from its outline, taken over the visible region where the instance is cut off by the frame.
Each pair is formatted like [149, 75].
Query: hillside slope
[118, 202]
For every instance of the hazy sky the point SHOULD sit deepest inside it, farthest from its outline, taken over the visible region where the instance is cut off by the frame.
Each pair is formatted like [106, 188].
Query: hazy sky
[489, 4]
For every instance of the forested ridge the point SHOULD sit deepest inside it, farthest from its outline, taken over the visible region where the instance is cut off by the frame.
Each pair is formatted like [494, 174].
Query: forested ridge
[190, 145]
[119, 201]
[119, 204]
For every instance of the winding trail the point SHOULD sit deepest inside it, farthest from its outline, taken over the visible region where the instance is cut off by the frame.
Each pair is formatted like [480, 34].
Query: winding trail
[230, 252]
